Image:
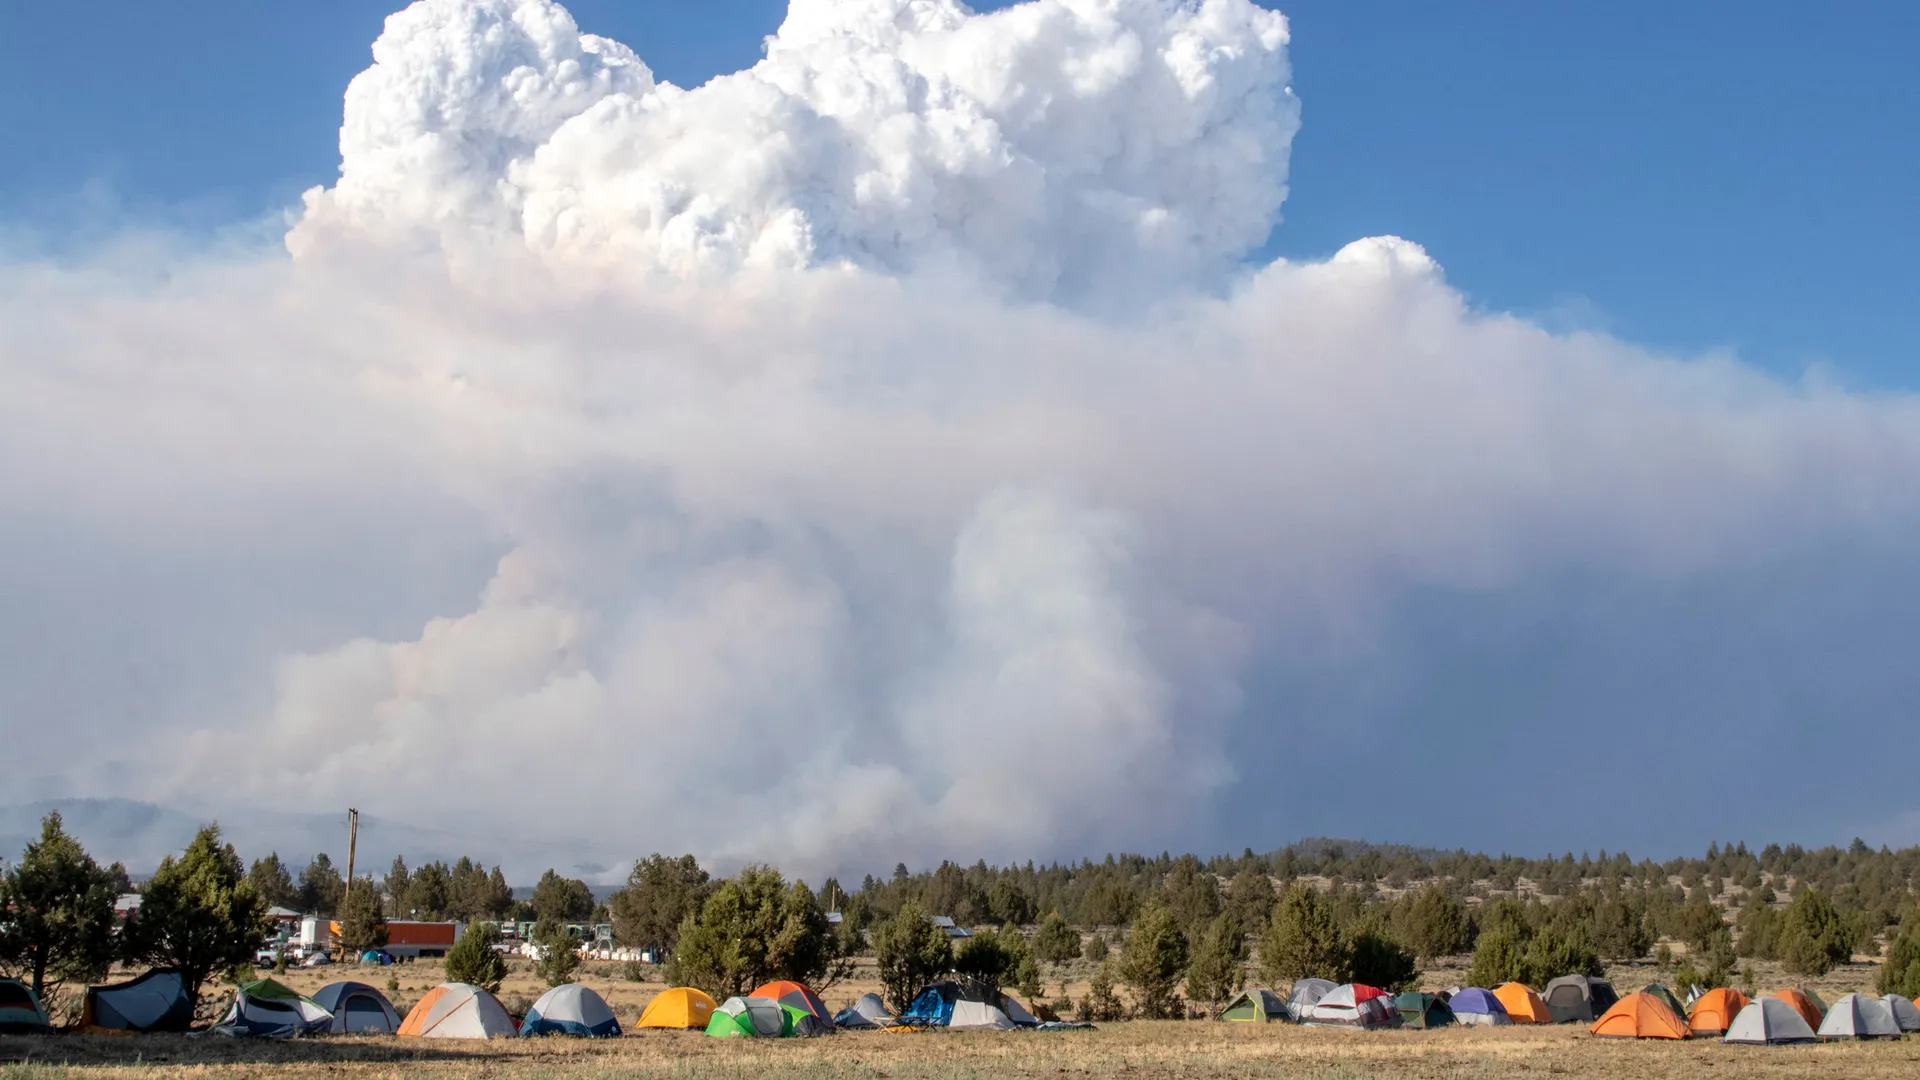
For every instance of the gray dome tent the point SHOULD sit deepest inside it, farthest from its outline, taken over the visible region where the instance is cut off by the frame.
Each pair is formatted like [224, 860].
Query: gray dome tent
[358, 1009]
[1578, 999]
[868, 1012]
[1857, 1016]
[1769, 1021]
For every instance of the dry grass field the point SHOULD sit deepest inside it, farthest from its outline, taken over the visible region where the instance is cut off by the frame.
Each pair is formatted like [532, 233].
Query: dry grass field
[1137, 1050]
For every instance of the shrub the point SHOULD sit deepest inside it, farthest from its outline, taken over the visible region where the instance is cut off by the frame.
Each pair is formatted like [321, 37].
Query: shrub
[474, 958]
[754, 928]
[362, 927]
[1101, 1004]
[1432, 923]
[1377, 960]
[1055, 942]
[1096, 950]
[1496, 959]
[559, 955]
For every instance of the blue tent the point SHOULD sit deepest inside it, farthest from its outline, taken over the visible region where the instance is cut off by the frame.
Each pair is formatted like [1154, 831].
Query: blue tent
[570, 1009]
[933, 1005]
[1476, 1006]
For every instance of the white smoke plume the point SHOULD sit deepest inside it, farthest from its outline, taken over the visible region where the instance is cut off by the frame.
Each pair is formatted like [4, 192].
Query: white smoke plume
[769, 470]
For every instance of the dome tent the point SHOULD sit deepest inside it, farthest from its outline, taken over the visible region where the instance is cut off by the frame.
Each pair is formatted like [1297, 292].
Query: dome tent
[1254, 1006]
[1640, 1016]
[570, 1009]
[1304, 995]
[868, 1012]
[795, 996]
[1768, 1021]
[1522, 1004]
[268, 1010]
[1667, 998]
[1905, 1013]
[1713, 1011]
[681, 1007]
[1474, 1006]
[457, 1011]
[20, 1011]
[156, 1001]
[358, 1009]
[1857, 1016]
[1810, 1008]
[1419, 1010]
[978, 1016]
[750, 1018]
[1578, 999]
[1354, 1005]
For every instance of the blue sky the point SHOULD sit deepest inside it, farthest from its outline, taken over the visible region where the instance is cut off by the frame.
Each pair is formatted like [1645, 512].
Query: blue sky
[1685, 176]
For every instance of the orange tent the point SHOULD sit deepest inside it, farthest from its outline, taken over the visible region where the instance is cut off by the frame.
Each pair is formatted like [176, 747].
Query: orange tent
[1522, 1004]
[680, 1007]
[797, 996]
[1713, 1014]
[1803, 1005]
[1640, 1016]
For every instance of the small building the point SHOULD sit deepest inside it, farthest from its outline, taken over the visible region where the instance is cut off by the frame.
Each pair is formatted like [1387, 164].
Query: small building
[945, 922]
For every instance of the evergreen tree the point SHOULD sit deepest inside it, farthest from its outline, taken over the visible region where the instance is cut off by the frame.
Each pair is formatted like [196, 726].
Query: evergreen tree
[362, 926]
[1557, 950]
[1432, 922]
[1813, 937]
[429, 893]
[321, 887]
[1154, 962]
[561, 899]
[476, 960]
[986, 959]
[1055, 942]
[1218, 969]
[56, 913]
[558, 951]
[395, 885]
[273, 882]
[910, 952]
[1900, 972]
[755, 928]
[199, 914]
[1250, 900]
[1377, 960]
[1302, 940]
[661, 892]
[1096, 948]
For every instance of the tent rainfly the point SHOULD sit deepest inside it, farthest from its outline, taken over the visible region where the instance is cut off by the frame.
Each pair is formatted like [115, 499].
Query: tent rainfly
[978, 1016]
[1713, 1011]
[156, 1001]
[1355, 1005]
[750, 1018]
[1640, 1016]
[1473, 1005]
[1522, 1004]
[1905, 1013]
[20, 1011]
[267, 1010]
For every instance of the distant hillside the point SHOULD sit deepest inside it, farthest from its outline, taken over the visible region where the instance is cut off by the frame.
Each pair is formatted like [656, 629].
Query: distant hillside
[140, 834]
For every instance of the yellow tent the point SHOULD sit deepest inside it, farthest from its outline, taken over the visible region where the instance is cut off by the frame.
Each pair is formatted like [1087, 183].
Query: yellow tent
[680, 1007]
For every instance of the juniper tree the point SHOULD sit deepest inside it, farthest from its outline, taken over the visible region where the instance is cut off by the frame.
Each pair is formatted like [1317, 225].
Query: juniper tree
[56, 913]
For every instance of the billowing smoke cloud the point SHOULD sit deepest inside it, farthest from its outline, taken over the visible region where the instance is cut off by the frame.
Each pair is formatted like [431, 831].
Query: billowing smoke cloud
[771, 470]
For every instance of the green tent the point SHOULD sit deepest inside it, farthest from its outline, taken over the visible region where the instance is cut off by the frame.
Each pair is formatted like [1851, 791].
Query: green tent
[1254, 1006]
[1667, 998]
[1423, 1010]
[20, 1012]
[751, 1018]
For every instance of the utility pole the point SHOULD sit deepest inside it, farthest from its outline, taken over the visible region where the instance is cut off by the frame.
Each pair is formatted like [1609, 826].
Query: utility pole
[353, 838]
